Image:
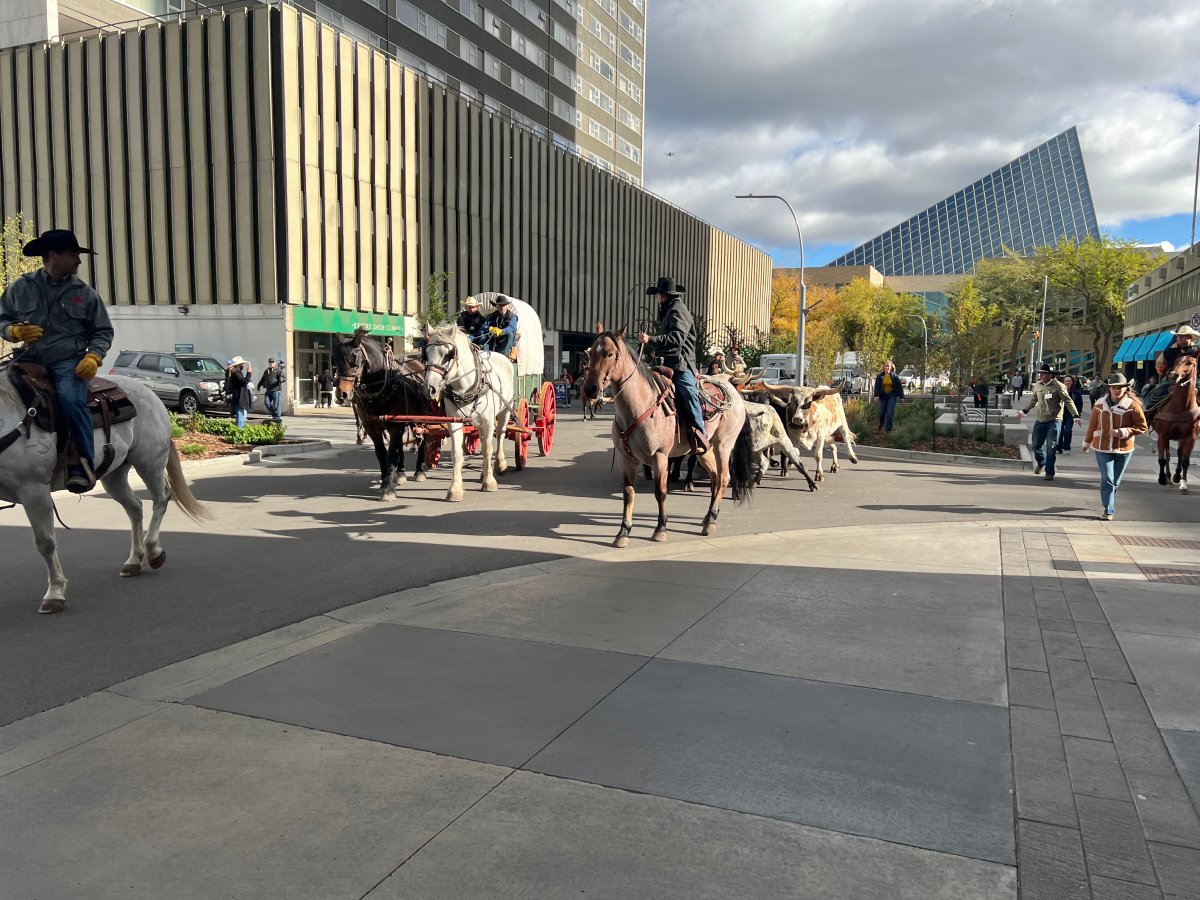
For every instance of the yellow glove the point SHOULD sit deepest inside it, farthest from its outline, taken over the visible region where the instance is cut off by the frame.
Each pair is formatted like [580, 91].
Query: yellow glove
[496, 331]
[87, 366]
[23, 331]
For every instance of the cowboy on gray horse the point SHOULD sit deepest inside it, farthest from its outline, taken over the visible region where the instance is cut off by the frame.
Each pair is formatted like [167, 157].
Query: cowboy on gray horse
[65, 327]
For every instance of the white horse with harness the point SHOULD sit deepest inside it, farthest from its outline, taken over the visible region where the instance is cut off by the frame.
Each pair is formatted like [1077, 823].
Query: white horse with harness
[478, 387]
[28, 458]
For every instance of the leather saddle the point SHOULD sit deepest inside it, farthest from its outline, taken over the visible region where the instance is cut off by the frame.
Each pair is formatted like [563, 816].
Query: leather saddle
[107, 402]
[713, 398]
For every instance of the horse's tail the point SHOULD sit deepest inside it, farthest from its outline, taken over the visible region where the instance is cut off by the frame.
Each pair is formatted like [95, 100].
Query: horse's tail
[180, 492]
[741, 464]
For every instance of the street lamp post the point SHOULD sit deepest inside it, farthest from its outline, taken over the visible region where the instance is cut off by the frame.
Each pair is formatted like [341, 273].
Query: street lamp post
[804, 308]
[1042, 330]
[925, 370]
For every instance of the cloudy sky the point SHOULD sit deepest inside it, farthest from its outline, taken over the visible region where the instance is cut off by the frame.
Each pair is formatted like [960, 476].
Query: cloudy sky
[863, 112]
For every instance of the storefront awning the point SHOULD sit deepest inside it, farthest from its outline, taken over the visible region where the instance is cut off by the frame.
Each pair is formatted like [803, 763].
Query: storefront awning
[1160, 343]
[1122, 353]
[344, 321]
[1135, 351]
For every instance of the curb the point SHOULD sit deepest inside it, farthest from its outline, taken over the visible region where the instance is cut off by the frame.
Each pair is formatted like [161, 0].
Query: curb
[886, 453]
[260, 453]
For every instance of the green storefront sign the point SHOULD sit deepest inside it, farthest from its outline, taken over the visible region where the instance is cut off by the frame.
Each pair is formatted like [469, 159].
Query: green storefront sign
[342, 321]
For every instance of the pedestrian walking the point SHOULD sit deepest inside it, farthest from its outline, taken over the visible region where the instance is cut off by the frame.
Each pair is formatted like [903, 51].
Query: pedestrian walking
[1075, 391]
[1051, 400]
[1113, 426]
[888, 389]
[325, 385]
[271, 383]
[1018, 386]
[237, 389]
[65, 327]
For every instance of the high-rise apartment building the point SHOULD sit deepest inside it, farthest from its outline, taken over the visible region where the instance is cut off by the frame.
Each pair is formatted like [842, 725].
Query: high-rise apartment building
[572, 71]
[1039, 197]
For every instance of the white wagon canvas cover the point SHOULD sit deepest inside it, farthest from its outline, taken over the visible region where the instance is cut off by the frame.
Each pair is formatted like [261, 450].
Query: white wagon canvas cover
[530, 355]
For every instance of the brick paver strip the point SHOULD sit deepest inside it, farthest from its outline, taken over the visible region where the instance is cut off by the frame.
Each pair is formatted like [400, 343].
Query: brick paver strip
[1137, 540]
[1101, 810]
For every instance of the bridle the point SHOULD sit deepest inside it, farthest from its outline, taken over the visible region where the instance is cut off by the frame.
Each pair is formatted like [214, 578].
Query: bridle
[449, 361]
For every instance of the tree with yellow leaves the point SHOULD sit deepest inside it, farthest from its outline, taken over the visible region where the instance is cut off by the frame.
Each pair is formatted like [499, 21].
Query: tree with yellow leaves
[15, 233]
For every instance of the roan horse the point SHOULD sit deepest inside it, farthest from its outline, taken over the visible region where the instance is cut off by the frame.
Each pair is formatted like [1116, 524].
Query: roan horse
[644, 434]
[143, 443]
[372, 381]
[1178, 419]
[477, 386]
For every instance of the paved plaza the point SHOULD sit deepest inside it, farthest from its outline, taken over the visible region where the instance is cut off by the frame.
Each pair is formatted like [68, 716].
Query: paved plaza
[920, 682]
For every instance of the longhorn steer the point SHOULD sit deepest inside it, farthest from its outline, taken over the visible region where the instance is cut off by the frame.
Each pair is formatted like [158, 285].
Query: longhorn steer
[814, 416]
[769, 433]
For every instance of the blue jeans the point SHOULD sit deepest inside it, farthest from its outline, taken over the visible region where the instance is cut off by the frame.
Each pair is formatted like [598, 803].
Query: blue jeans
[1064, 436]
[687, 399]
[1045, 443]
[271, 401]
[240, 416]
[72, 399]
[887, 406]
[1112, 467]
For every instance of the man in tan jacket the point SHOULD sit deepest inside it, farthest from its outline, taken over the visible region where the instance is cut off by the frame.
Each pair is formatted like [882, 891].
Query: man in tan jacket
[1052, 400]
[1115, 422]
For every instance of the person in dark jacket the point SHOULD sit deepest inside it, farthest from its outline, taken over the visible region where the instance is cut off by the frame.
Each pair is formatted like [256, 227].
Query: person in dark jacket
[676, 342]
[1183, 345]
[65, 327]
[979, 388]
[471, 319]
[500, 332]
[325, 386]
[271, 383]
[1075, 392]
[237, 389]
[717, 366]
[888, 389]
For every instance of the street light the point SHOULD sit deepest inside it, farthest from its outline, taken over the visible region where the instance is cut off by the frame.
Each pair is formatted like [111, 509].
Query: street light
[925, 370]
[1042, 330]
[804, 308]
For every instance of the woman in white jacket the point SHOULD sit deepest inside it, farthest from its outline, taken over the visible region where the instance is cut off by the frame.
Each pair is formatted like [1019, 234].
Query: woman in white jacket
[1115, 422]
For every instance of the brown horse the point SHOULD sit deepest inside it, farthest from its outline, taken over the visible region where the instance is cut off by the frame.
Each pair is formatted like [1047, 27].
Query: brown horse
[646, 432]
[1178, 419]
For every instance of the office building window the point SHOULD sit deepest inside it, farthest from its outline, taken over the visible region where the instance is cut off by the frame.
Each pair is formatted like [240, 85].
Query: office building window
[629, 88]
[562, 109]
[637, 4]
[630, 57]
[491, 24]
[568, 76]
[566, 144]
[627, 149]
[469, 52]
[601, 99]
[600, 133]
[601, 65]
[629, 120]
[631, 26]
[604, 33]
[609, 6]
[567, 39]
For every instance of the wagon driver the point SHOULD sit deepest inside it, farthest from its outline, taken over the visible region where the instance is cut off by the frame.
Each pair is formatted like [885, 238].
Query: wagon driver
[65, 327]
[500, 333]
[471, 319]
[676, 343]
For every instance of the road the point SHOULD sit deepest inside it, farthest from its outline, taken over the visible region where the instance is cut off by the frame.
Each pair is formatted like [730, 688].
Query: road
[298, 538]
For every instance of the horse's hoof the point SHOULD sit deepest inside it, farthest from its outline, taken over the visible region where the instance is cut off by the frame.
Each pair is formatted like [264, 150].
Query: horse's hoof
[501, 469]
[621, 541]
[157, 562]
[49, 607]
[420, 476]
[454, 495]
[488, 486]
[812, 486]
[130, 569]
[660, 535]
[1183, 489]
[854, 459]
[387, 496]
[820, 476]
[709, 529]
[401, 478]
[1162, 479]
[690, 488]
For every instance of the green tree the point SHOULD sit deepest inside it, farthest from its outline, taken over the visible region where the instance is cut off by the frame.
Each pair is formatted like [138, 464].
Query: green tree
[822, 343]
[1093, 275]
[966, 340]
[1012, 285]
[436, 313]
[15, 233]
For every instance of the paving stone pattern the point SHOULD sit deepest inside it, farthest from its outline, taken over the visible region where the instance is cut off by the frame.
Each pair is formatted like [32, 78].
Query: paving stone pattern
[1102, 812]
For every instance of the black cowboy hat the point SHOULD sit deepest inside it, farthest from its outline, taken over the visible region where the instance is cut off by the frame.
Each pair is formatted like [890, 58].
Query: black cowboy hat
[57, 240]
[1046, 369]
[666, 286]
[501, 300]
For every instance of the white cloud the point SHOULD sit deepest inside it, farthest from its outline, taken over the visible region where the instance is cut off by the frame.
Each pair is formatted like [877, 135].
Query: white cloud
[863, 112]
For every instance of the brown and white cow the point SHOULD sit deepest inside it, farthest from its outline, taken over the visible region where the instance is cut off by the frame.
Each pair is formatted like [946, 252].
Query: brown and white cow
[814, 416]
[768, 433]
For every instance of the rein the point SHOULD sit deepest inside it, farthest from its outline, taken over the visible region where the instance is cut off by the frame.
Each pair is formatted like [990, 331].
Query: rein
[626, 433]
[481, 381]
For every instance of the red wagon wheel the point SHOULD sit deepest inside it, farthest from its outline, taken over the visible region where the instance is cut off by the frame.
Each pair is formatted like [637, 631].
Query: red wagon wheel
[521, 438]
[547, 413]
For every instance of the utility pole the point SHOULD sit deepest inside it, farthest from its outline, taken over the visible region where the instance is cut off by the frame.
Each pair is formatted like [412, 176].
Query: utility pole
[1042, 330]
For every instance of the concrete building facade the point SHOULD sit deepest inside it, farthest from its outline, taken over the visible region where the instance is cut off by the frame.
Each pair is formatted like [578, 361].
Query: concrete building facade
[257, 181]
[1156, 304]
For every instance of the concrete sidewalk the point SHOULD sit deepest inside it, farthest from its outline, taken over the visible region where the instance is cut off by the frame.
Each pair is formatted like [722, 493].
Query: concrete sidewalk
[860, 712]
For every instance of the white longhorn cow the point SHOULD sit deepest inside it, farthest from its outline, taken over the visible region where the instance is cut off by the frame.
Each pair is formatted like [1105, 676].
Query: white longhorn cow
[814, 416]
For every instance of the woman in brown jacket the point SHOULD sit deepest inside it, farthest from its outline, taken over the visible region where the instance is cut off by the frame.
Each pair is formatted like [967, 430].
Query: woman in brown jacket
[1115, 421]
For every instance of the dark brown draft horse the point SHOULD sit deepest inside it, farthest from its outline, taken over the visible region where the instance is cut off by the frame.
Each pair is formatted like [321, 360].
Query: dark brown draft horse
[645, 432]
[1178, 419]
[376, 384]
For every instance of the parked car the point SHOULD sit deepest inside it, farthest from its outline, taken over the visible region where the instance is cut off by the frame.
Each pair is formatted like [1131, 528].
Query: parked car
[911, 379]
[188, 382]
[849, 381]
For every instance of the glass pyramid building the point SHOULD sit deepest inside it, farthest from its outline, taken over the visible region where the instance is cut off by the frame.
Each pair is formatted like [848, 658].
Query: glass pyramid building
[1030, 202]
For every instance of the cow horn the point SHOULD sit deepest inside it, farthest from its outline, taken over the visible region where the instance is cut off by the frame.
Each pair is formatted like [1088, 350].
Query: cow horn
[778, 390]
[820, 392]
